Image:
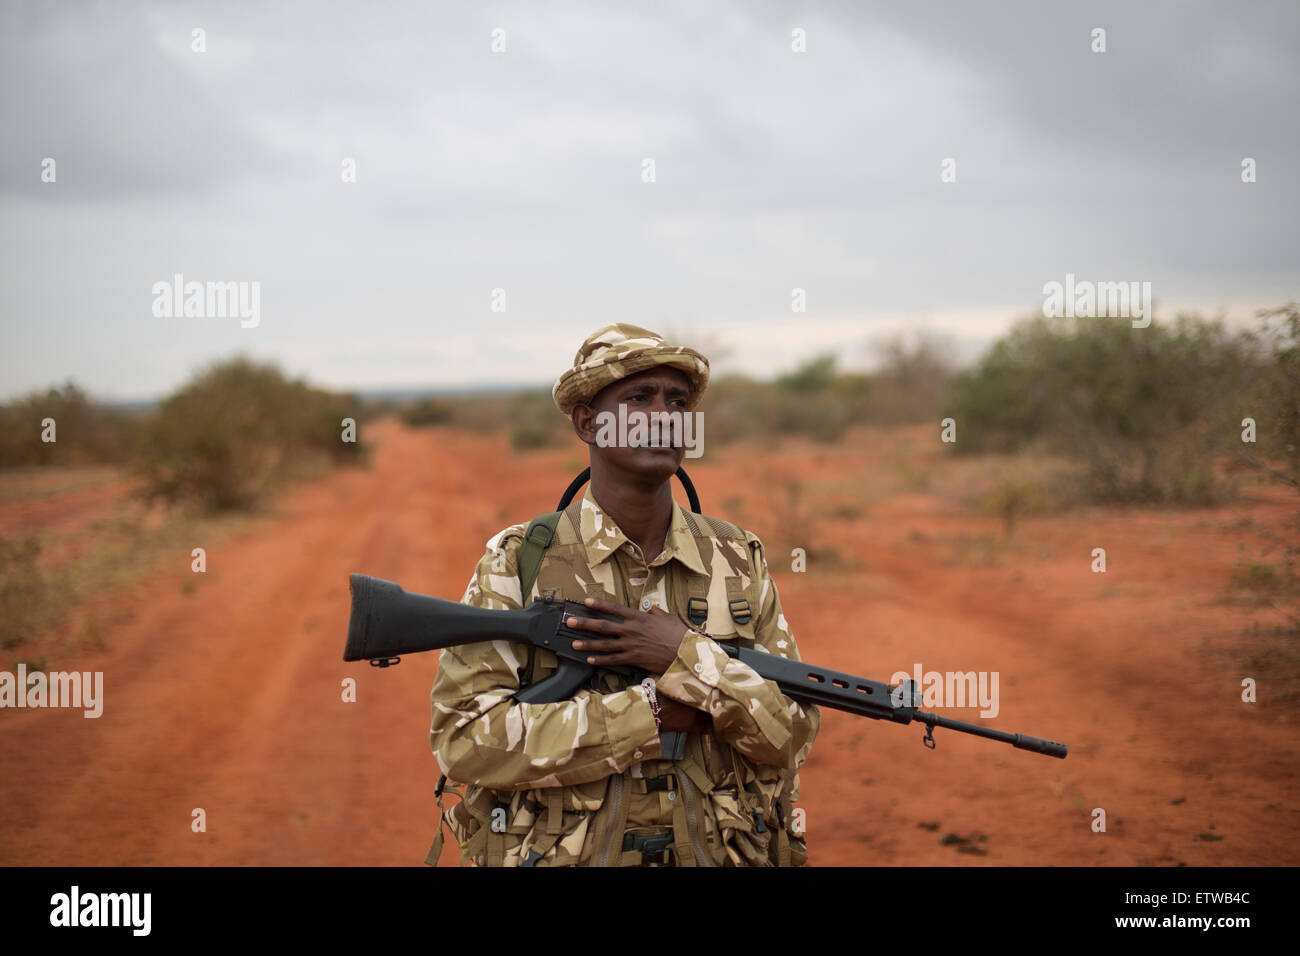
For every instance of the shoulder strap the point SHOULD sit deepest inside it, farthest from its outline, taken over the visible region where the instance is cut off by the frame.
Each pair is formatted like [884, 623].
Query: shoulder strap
[741, 604]
[538, 537]
[532, 551]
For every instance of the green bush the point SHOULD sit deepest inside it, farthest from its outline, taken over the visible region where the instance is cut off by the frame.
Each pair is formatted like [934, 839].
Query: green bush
[1148, 409]
[1275, 402]
[818, 401]
[1276, 410]
[427, 411]
[238, 429]
[813, 377]
[813, 400]
[534, 421]
[85, 432]
[909, 385]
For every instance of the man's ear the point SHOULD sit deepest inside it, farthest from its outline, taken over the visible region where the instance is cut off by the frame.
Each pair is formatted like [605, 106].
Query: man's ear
[584, 422]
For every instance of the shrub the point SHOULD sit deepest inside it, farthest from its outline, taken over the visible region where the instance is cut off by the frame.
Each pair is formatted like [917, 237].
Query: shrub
[813, 400]
[909, 385]
[818, 401]
[239, 428]
[1276, 399]
[1147, 409]
[534, 421]
[86, 432]
[1277, 413]
[427, 411]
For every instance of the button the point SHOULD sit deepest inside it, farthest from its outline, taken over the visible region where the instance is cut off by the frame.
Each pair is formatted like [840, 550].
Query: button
[647, 604]
[699, 668]
[672, 795]
[636, 754]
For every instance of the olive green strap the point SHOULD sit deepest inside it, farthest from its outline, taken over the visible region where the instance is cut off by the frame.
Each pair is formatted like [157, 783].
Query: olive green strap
[683, 855]
[611, 821]
[436, 849]
[538, 537]
[740, 783]
[554, 811]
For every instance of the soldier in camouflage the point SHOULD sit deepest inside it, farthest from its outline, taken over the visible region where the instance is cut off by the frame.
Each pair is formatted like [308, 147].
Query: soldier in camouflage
[582, 782]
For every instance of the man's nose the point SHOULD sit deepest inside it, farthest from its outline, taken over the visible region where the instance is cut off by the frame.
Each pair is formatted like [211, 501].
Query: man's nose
[658, 414]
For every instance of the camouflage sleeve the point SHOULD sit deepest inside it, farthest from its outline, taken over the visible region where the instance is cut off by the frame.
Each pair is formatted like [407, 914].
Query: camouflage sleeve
[750, 713]
[481, 736]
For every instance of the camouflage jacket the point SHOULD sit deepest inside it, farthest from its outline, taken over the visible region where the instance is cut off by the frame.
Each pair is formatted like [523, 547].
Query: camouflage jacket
[558, 784]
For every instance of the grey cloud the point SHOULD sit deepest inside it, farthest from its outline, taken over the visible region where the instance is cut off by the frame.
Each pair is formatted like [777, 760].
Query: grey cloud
[87, 85]
[522, 171]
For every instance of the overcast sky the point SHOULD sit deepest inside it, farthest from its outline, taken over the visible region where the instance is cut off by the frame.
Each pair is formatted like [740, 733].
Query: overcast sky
[523, 170]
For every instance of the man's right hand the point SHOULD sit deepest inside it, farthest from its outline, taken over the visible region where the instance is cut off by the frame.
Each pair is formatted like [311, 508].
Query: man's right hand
[674, 715]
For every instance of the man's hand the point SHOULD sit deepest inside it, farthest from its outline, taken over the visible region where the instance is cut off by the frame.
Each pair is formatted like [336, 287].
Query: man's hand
[638, 639]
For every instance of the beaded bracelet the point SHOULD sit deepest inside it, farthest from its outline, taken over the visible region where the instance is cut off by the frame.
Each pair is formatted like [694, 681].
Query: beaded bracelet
[649, 685]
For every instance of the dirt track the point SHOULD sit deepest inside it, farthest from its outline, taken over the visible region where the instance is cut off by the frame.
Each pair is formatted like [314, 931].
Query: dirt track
[229, 698]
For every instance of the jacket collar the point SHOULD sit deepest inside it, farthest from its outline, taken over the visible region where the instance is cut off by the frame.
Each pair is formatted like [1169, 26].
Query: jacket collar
[601, 536]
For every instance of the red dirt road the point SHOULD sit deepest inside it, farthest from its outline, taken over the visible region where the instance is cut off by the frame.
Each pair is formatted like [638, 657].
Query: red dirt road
[229, 699]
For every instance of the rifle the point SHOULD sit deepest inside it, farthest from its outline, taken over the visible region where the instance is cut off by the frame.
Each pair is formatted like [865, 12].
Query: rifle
[387, 622]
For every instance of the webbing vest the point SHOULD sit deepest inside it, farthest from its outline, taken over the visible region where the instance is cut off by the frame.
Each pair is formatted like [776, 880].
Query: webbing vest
[731, 619]
[542, 532]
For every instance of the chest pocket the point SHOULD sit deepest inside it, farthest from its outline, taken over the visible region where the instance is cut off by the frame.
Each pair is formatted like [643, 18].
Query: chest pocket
[723, 608]
[739, 615]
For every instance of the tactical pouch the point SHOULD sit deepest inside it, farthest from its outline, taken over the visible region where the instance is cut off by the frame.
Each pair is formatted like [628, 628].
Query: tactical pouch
[745, 835]
[543, 827]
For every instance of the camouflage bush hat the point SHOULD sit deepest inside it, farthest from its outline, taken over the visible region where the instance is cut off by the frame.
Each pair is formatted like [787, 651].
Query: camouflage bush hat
[617, 351]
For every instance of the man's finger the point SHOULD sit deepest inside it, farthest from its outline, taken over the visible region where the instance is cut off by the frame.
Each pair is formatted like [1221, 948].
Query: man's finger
[597, 644]
[606, 660]
[609, 607]
[595, 624]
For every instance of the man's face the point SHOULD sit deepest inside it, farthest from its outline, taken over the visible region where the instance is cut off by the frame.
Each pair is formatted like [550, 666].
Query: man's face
[651, 393]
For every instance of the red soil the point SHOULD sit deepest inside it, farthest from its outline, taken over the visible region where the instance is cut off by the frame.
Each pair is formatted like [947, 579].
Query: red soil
[229, 698]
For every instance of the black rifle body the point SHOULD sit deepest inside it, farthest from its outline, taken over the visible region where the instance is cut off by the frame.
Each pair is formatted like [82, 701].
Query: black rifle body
[388, 622]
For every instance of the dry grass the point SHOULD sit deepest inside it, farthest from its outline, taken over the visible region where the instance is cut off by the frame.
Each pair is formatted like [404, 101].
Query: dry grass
[58, 587]
[21, 484]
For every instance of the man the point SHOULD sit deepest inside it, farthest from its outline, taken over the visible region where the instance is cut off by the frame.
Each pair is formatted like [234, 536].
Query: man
[582, 781]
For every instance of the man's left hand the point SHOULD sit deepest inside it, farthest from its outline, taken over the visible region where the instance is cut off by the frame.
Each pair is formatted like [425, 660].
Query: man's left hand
[638, 639]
